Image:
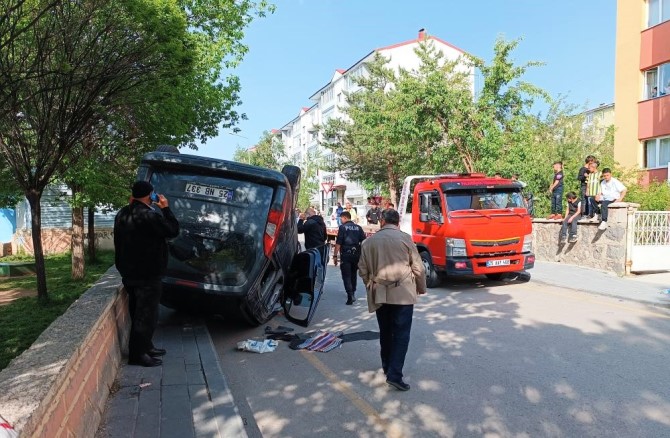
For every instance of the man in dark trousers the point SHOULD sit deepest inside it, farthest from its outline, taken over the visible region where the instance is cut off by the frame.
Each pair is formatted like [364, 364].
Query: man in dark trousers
[140, 233]
[348, 246]
[394, 275]
[313, 227]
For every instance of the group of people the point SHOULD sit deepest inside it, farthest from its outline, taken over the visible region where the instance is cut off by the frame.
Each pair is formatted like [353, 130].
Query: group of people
[389, 266]
[392, 272]
[598, 189]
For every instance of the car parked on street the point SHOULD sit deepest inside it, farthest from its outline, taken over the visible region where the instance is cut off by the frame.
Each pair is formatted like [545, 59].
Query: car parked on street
[238, 234]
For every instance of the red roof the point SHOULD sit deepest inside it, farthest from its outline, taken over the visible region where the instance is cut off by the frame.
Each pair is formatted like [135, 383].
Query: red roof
[418, 40]
[340, 71]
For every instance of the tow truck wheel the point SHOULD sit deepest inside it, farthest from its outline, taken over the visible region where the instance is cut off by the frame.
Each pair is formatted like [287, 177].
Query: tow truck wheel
[432, 280]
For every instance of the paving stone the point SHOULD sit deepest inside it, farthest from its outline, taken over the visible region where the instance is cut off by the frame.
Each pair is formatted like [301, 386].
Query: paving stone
[147, 423]
[176, 413]
[204, 418]
[174, 374]
[195, 377]
[120, 414]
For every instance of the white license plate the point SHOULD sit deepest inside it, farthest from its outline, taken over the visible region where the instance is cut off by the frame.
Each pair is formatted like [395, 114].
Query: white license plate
[490, 263]
[211, 191]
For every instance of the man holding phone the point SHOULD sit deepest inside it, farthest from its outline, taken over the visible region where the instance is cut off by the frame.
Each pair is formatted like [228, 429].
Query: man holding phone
[140, 233]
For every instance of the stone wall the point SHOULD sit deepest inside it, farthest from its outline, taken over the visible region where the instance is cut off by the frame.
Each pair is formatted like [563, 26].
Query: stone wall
[58, 387]
[600, 249]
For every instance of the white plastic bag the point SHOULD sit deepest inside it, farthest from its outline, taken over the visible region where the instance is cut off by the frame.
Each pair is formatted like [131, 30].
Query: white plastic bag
[265, 346]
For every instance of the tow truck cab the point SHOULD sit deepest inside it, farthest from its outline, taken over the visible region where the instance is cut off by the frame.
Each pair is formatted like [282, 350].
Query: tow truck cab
[468, 224]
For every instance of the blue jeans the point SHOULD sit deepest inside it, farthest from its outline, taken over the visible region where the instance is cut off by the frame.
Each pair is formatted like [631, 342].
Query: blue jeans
[572, 226]
[395, 324]
[556, 201]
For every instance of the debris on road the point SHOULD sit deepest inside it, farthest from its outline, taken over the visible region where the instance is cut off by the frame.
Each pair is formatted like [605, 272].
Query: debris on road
[265, 346]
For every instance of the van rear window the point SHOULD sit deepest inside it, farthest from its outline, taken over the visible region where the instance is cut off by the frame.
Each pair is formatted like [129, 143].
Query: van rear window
[222, 221]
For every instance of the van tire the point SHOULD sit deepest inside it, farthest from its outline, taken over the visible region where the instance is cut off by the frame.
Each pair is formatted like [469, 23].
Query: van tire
[432, 279]
[293, 175]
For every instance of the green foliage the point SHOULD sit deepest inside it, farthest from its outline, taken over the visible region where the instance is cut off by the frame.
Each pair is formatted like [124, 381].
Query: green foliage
[654, 196]
[22, 321]
[269, 153]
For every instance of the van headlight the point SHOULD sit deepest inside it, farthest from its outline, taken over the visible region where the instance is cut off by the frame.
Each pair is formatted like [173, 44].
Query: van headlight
[456, 247]
[527, 243]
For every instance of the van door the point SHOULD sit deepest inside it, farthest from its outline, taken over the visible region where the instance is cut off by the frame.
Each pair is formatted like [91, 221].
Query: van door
[304, 284]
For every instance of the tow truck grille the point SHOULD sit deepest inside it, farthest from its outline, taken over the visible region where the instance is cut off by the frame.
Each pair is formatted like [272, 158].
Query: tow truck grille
[494, 243]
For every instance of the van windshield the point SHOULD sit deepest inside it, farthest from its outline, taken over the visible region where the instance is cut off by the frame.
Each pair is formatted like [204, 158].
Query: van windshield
[484, 199]
[221, 221]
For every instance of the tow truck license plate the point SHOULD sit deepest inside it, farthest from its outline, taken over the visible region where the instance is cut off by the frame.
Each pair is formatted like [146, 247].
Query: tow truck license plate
[490, 263]
[215, 192]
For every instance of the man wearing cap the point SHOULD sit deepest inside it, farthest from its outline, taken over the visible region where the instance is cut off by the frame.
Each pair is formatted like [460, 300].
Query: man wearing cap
[140, 233]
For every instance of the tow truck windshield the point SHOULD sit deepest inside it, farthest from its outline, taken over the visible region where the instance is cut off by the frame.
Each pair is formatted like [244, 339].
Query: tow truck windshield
[484, 199]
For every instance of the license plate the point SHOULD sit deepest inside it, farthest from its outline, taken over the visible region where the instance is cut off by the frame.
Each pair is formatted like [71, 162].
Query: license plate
[490, 263]
[211, 191]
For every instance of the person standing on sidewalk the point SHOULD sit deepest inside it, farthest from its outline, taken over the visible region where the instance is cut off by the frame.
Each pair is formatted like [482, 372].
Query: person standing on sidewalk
[556, 191]
[612, 190]
[394, 275]
[141, 256]
[313, 227]
[348, 246]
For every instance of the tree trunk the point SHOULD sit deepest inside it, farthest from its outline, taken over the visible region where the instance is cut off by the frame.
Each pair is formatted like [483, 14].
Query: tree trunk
[91, 235]
[77, 244]
[393, 187]
[34, 197]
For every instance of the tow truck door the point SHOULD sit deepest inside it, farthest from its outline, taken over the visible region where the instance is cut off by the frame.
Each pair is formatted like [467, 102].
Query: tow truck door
[428, 221]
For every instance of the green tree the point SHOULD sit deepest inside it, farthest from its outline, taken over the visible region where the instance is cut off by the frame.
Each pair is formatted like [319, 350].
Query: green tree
[268, 152]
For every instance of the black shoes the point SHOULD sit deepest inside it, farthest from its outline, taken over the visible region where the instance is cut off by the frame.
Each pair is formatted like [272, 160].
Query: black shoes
[400, 386]
[351, 299]
[154, 352]
[146, 361]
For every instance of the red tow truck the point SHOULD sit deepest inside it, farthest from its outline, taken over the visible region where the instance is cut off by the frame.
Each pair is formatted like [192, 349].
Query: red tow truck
[467, 224]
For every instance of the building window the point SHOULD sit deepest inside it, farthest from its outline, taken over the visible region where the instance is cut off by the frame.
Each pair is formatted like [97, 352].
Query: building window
[657, 81]
[658, 12]
[657, 152]
[327, 95]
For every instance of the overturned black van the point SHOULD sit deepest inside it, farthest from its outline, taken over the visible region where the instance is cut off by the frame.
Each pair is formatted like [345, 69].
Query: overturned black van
[238, 236]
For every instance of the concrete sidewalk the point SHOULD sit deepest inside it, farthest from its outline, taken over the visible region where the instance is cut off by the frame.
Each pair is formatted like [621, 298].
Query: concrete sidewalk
[185, 397]
[644, 288]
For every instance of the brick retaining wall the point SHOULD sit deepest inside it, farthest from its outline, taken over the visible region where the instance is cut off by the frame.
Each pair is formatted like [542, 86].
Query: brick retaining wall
[58, 387]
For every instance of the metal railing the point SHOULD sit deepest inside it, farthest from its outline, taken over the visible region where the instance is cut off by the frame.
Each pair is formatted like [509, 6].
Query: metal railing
[651, 228]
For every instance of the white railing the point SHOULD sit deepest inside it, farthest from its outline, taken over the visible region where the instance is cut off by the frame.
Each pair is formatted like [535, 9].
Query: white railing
[651, 228]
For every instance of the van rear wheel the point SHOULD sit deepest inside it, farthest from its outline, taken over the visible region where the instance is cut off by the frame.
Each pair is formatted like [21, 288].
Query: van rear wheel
[432, 279]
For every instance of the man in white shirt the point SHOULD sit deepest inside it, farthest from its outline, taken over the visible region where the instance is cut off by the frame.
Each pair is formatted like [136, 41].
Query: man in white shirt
[612, 190]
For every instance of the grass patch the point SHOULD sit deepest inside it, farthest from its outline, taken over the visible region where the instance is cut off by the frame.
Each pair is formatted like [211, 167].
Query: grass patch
[22, 321]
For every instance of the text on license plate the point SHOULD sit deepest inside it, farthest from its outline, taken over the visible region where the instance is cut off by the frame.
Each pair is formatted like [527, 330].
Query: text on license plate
[205, 190]
[490, 263]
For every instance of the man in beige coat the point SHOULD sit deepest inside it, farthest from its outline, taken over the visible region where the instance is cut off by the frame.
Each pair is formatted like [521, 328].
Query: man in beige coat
[394, 275]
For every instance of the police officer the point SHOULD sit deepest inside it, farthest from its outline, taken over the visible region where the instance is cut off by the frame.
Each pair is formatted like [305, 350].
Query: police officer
[348, 246]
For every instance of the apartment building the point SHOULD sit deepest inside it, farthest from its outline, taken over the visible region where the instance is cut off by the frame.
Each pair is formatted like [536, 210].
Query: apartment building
[642, 87]
[597, 120]
[301, 136]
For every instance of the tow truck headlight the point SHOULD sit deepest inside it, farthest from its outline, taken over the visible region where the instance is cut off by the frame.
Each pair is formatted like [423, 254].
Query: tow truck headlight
[527, 243]
[456, 247]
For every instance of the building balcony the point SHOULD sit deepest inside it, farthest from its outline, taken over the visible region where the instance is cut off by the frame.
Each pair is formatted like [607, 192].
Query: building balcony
[653, 118]
[654, 47]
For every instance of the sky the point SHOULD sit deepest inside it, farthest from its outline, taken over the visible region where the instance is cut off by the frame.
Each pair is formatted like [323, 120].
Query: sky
[296, 50]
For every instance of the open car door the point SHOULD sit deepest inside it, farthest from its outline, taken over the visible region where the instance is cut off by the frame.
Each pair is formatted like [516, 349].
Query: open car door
[304, 284]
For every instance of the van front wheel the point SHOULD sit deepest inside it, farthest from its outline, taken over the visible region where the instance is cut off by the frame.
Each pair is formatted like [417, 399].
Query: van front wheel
[432, 279]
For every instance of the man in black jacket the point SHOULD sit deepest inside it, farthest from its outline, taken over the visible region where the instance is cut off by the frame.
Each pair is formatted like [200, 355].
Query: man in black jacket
[140, 233]
[348, 246]
[314, 228]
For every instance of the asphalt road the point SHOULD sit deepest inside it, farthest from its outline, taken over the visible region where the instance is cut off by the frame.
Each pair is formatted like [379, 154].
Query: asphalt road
[485, 359]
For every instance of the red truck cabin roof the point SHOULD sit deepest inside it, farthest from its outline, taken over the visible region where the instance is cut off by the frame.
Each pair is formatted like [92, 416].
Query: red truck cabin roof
[461, 181]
